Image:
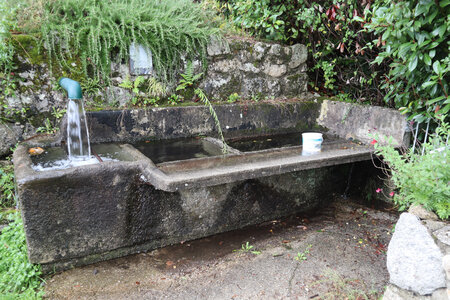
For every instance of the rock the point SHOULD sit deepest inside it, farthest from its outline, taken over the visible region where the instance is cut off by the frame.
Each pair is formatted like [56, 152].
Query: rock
[258, 50]
[440, 294]
[446, 265]
[248, 67]
[226, 66]
[299, 55]
[275, 49]
[294, 85]
[419, 211]
[394, 293]
[433, 225]
[443, 235]
[217, 46]
[118, 95]
[9, 136]
[275, 70]
[414, 261]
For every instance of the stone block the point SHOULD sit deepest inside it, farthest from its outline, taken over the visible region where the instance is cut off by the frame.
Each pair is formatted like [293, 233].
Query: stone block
[414, 261]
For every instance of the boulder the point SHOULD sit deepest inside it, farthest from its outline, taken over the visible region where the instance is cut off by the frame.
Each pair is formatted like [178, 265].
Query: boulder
[414, 261]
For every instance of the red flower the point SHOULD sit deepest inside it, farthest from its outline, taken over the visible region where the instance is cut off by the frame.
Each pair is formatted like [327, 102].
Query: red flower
[378, 190]
[373, 142]
[392, 194]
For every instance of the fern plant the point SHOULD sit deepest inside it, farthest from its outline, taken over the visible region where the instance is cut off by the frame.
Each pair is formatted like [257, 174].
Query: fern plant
[189, 78]
[99, 30]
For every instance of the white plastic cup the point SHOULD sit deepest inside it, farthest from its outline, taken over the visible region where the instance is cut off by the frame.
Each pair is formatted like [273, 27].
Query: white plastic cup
[312, 142]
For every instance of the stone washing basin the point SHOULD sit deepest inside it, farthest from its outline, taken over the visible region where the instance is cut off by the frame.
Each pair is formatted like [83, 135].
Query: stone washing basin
[84, 214]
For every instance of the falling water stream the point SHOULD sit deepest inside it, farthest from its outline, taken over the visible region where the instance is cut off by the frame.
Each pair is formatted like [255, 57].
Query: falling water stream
[78, 144]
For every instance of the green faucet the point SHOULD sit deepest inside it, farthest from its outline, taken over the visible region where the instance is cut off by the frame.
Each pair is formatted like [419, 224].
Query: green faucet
[72, 87]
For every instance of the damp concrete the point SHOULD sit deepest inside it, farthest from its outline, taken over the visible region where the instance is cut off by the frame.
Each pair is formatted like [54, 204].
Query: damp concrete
[337, 252]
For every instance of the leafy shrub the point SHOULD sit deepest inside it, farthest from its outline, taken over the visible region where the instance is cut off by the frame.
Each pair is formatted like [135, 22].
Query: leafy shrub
[97, 30]
[340, 63]
[19, 279]
[414, 36]
[7, 188]
[422, 179]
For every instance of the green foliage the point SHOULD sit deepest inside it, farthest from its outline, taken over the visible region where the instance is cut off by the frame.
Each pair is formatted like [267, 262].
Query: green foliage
[98, 30]
[175, 99]
[245, 248]
[51, 124]
[7, 188]
[188, 78]
[201, 95]
[7, 82]
[302, 256]
[422, 179]
[90, 86]
[11, 114]
[330, 29]
[233, 98]
[415, 39]
[146, 92]
[19, 279]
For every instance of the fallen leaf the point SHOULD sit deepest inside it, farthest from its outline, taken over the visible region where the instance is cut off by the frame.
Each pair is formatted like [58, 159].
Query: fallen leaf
[35, 151]
[169, 263]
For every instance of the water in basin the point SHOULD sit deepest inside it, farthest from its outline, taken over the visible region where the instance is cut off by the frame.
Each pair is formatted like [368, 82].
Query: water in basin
[269, 141]
[56, 158]
[177, 149]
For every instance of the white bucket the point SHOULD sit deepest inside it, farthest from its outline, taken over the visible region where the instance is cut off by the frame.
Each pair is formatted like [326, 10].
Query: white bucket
[312, 142]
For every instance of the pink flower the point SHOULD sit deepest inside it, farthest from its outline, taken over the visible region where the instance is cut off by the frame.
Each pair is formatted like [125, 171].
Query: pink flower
[392, 194]
[378, 190]
[373, 142]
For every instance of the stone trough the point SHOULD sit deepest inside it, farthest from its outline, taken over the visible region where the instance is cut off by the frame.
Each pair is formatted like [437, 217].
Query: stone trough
[84, 214]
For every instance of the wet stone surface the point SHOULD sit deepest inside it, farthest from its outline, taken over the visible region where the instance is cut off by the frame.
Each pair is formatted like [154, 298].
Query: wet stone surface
[177, 149]
[346, 244]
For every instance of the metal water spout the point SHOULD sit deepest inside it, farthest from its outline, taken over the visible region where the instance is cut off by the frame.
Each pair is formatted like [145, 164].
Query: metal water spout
[77, 131]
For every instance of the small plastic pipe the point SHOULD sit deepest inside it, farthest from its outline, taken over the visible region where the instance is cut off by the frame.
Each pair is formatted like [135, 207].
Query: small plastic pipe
[72, 87]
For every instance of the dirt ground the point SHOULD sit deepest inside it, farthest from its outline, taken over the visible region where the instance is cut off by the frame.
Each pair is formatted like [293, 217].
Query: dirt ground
[339, 252]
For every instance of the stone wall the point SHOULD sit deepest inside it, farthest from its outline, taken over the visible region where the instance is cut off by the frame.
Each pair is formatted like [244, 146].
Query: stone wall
[246, 67]
[255, 69]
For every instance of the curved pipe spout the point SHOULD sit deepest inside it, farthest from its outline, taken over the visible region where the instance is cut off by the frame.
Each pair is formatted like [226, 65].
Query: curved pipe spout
[72, 87]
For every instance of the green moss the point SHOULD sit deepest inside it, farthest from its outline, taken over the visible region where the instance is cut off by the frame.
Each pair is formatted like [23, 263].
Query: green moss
[28, 46]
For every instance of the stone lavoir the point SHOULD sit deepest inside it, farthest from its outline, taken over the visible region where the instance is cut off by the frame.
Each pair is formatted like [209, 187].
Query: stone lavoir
[81, 215]
[166, 179]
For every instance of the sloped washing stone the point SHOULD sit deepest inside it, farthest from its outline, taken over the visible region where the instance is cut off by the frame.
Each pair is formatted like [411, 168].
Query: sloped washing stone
[414, 261]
